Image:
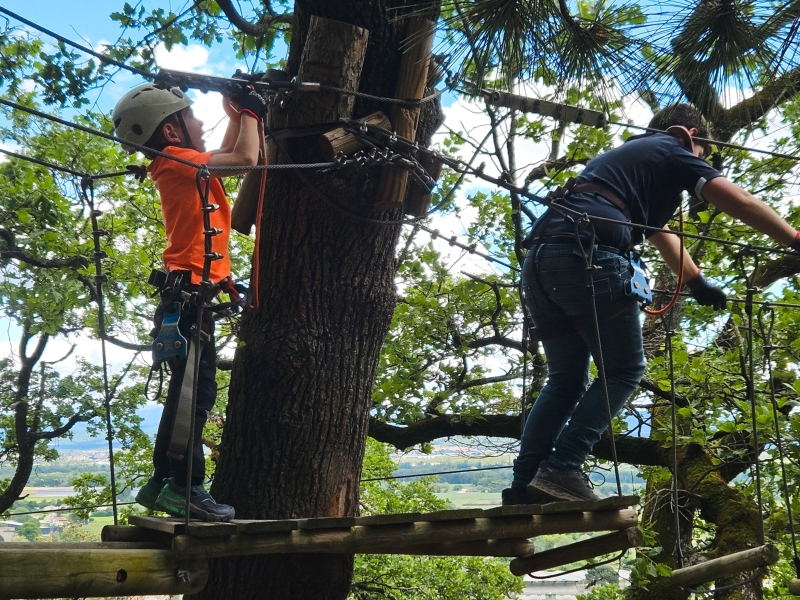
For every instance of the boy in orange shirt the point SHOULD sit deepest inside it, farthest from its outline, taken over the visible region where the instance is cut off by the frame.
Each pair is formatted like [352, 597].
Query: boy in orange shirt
[162, 119]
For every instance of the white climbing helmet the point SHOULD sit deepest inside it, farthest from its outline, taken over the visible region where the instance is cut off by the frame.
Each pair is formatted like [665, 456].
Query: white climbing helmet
[139, 112]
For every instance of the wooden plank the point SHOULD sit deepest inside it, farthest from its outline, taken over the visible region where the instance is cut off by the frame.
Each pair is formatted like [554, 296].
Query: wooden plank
[561, 112]
[610, 503]
[725, 566]
[514, 510]
[170, 525]
[254, 526]
[579, 551]
[393, 519]
[452, 515]
[31, 546]
[332, 143]
[501, 548]
[411, 79]
[794, 587]
[76, 573]
[396, 538]
[327, 523]
[131, 533]
[202, 529]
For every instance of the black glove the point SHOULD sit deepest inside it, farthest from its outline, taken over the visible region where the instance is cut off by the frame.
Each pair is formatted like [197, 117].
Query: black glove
[248, 98]
[707, 294]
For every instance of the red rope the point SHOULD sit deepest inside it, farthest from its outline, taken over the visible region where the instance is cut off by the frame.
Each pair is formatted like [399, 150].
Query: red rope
[255, 274]
[676, 295]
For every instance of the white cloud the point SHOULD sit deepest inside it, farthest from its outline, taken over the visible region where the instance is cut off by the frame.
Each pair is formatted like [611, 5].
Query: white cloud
[183, 58]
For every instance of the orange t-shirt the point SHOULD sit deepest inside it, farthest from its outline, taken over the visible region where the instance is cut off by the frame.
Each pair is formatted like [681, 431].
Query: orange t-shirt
[183, 217]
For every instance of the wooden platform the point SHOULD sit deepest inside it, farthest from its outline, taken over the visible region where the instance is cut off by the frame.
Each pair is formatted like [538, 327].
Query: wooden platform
[158, 555]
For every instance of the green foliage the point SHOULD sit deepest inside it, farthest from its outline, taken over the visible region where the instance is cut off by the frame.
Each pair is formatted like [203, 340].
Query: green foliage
[30, 530]
[419, 577]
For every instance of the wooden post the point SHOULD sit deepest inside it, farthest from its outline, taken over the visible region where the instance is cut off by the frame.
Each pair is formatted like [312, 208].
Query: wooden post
[410, 86]
[57, 572]
[333, 55]
[377, 539]
[794, 587]
[725, 566]
[338, 140]
[419, 197]
[583, 550]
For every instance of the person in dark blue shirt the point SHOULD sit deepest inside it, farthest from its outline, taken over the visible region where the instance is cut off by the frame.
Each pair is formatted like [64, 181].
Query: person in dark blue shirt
[639, 182]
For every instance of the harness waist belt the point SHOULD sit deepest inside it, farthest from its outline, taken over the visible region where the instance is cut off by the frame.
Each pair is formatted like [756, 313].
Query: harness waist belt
[605, 192]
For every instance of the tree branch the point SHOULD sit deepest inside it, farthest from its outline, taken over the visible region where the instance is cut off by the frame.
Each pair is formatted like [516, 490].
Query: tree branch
[59, 431]
[255, 29]
[44, 263]
[636, 451]
[127, 345]
[754, 108]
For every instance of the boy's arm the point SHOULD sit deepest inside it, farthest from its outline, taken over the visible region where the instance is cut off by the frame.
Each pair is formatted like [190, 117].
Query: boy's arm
[742, 205]
[232, 130]
[669, 246]
[245, 149]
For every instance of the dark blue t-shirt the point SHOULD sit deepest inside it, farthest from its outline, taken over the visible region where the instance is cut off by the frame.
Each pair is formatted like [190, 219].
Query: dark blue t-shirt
[648, 173]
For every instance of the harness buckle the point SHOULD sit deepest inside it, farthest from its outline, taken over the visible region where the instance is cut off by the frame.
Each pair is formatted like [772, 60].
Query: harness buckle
[638, 286]
[170, 343]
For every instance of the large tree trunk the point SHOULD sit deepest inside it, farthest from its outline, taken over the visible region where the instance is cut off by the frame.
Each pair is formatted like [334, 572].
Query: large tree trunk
[300, 396]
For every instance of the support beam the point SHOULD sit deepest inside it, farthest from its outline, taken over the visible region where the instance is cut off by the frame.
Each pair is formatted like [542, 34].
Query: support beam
[725, 566]
[57, 572]
[336, 141]
[333, 55]
[504, 548]
[410, 86]
[419, 197]
[129, 533]
[370, 540]
[583, 550]
[560, 112]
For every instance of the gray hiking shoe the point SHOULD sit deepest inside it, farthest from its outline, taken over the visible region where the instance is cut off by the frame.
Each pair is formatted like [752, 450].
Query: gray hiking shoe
[562, 485]
[148, 493]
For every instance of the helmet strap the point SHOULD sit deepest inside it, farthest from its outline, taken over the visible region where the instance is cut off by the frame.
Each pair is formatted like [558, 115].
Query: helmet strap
[187, 138]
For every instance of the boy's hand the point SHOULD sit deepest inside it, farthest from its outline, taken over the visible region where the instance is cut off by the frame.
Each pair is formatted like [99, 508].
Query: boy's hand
[232, 108]
[252, 103]
[706, 293]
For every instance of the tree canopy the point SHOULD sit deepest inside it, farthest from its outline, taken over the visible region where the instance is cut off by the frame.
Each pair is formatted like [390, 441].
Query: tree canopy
[453, 360]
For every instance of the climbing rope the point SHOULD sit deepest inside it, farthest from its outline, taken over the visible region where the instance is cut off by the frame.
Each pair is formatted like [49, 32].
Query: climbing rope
[668, 348]
[751, 394]
[99, 255]
[766, 336]
[599, 361]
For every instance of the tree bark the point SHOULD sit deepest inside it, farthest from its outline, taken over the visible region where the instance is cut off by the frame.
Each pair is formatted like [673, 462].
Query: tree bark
[300, 395]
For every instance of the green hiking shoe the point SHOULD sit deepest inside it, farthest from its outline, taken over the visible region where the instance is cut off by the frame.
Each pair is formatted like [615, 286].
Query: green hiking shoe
[172, 500]
[148, 493]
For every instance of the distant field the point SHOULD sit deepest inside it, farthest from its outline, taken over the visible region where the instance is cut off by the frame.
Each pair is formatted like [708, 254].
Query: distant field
[472, 499]
[46, 493]
[98, 523]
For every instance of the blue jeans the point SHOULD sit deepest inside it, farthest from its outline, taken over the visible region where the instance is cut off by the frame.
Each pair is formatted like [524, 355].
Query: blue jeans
[557, 298]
